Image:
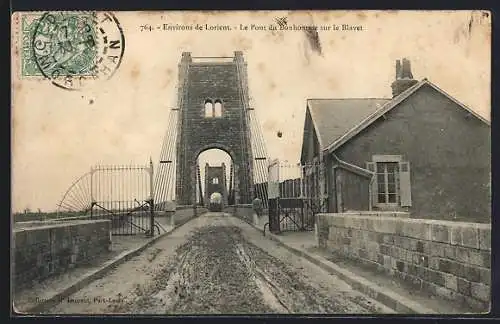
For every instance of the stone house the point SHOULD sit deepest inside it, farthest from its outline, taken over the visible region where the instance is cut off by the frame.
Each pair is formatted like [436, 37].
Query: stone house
[421, 151]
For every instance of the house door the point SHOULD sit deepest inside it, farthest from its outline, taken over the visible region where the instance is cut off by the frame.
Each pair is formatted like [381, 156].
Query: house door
[332, 197]
[338, 191]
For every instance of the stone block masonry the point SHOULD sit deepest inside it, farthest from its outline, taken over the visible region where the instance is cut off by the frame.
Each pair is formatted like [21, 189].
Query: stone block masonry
[208, 82]
[43, 249]
[444, 258]
[243, 211]
[247, 213]
[184, 213]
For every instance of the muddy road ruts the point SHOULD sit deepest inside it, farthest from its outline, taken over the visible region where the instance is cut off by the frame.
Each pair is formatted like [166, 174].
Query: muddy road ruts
[217, 264]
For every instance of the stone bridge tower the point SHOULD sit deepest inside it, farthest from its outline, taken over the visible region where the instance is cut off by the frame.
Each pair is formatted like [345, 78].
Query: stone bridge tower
[213, 103]
[215, 181]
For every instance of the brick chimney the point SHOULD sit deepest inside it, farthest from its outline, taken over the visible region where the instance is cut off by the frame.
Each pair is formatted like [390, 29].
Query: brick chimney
[404, 77]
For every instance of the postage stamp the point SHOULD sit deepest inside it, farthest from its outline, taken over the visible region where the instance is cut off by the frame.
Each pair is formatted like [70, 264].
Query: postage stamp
[162, 179]
[71, 49]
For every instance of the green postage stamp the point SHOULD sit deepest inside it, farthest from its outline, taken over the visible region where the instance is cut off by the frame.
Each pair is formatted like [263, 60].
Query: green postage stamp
[58, 41]
[70, 48]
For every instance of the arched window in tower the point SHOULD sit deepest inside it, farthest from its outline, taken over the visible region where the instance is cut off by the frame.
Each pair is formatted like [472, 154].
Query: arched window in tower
[215, 181]
[209, 109]
[218, 108]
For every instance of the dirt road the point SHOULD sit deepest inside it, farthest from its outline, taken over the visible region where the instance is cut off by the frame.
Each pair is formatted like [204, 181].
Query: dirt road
[217, 264]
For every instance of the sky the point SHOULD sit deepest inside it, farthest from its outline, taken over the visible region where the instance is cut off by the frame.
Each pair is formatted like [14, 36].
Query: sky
[57, 135]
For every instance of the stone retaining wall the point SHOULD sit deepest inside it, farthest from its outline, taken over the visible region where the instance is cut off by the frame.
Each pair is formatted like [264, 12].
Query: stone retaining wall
[445, 258]
[184, 213]
[42, 249]
[246, 212]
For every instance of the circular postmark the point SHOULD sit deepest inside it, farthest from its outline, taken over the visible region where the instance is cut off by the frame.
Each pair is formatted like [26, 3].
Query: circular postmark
[75, 49]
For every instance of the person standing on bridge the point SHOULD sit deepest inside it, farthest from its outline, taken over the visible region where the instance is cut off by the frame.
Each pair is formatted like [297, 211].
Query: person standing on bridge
[257, 206]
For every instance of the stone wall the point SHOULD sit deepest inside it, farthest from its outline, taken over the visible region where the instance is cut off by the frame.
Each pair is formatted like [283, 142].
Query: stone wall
[243, 211]
[42, 249]
[246, 212]
[184, 213]
[178, 217]
[444, 258]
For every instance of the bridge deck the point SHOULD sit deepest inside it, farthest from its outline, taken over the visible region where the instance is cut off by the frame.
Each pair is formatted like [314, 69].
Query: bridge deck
[243, 276]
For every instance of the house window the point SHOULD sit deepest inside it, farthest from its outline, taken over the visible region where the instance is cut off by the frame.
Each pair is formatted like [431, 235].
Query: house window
[215, 181]
[391, 181]
[387, 182]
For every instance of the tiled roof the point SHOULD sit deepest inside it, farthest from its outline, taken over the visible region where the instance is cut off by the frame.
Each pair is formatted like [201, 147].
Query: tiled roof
[356, 128]
[332, 118]
[336, 121]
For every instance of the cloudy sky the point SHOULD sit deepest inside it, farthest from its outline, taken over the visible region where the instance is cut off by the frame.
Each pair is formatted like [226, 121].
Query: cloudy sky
[57, 135]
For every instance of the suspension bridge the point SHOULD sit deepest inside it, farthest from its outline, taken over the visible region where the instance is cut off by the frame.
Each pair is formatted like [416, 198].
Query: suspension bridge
[212, 112]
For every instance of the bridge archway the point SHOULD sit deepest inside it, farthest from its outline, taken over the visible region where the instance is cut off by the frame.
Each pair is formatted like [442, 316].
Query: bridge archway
[215, 173]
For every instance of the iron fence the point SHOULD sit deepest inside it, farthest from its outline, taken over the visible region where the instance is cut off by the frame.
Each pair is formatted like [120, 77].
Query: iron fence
[122, 194]
[295, 196]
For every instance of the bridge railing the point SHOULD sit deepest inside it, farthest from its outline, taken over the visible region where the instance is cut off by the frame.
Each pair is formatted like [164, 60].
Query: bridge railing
[122, 194]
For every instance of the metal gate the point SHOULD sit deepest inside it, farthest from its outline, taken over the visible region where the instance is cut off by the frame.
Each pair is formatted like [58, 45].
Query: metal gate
[295, 196]
[124, 195]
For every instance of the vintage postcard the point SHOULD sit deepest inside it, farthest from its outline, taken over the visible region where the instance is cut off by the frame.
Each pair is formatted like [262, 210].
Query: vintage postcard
[237, 162]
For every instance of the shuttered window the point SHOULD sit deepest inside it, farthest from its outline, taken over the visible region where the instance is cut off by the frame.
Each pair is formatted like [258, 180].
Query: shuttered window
[391, 184]
[387, 182]
[405, 184]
